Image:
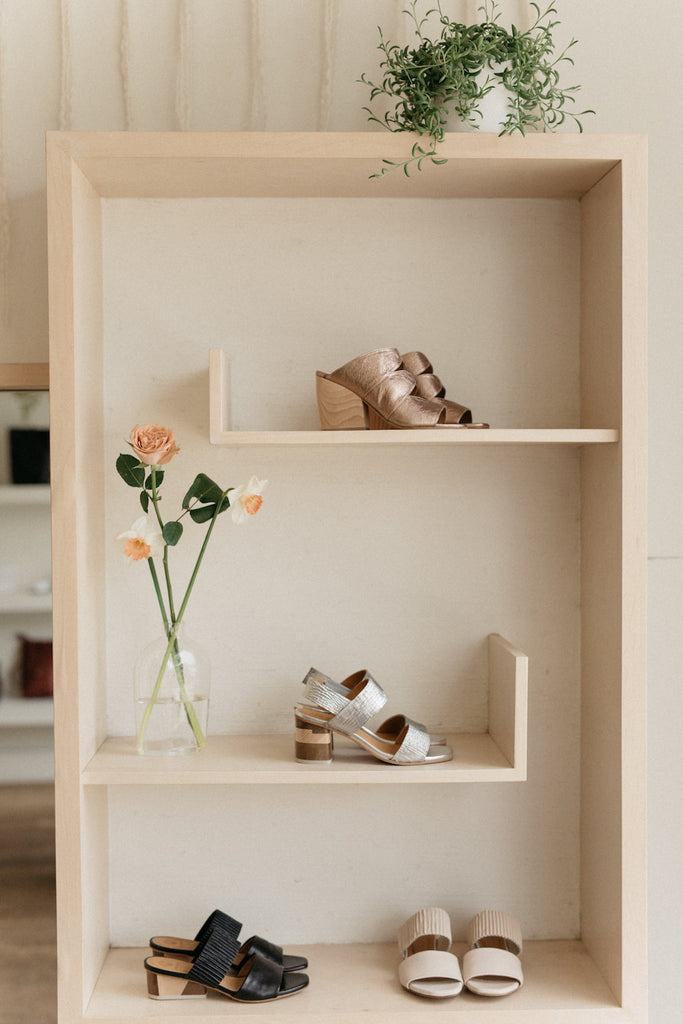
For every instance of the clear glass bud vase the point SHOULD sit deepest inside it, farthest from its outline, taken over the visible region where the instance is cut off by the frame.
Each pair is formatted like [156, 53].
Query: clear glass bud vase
[172, 685]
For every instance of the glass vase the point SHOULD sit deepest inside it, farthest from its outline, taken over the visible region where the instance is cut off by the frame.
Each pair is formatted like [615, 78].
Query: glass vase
[172, 686]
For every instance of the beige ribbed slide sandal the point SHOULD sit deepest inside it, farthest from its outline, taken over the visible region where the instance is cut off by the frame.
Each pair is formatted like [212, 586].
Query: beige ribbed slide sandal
[427, 967]
[491, 967]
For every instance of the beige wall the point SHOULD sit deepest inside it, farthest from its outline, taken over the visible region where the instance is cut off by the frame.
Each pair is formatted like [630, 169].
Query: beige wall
[293, 64]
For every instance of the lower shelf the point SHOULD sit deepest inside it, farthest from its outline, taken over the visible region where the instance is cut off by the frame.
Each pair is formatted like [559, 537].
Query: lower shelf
[351, 983]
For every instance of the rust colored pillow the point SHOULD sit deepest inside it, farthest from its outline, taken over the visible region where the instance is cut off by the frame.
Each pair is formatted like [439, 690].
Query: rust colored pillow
[36, 667]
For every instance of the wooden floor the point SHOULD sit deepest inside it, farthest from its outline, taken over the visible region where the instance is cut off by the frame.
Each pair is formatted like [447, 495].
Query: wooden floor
[28, 957]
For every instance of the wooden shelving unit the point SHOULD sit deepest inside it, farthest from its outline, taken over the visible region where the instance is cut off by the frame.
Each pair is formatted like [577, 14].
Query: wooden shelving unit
[597, 976]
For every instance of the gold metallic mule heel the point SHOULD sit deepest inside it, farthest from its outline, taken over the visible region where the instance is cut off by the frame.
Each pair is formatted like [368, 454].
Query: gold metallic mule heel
[428, 385]
[374, 392]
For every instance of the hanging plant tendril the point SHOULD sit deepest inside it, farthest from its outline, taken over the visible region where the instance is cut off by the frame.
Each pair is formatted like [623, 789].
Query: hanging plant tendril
[452, 72]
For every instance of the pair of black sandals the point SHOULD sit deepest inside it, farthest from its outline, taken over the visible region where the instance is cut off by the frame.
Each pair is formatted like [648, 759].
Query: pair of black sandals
[255, 971]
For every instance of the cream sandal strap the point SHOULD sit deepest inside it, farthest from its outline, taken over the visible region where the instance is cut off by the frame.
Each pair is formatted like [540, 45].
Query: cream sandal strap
[490, 963]
[431, 965]
[495, 924]
[428, 921]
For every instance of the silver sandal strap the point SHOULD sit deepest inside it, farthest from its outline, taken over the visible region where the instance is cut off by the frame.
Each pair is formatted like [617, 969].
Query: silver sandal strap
[320, 677]
[348, 715]
[361, 709]
[415, 746]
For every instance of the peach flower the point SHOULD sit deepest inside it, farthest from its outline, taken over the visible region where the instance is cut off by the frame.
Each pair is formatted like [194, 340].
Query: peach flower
[153, 445]
[142, 541]
[247, 499]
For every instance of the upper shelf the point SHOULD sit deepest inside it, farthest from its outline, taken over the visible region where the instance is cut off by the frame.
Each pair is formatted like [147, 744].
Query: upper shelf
[220, 434]
[401, 437]
[315, 164]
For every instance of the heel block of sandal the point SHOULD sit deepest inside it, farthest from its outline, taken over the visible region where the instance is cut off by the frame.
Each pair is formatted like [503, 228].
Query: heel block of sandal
[168, 986]
[338, 407]
[312, 743]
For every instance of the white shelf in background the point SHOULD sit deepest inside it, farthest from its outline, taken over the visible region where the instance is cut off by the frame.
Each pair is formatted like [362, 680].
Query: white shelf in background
[19, 712]
[24, 602]
[24, 494]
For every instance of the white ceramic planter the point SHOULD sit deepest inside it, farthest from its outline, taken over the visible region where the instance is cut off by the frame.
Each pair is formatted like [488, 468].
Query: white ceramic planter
[493, 107]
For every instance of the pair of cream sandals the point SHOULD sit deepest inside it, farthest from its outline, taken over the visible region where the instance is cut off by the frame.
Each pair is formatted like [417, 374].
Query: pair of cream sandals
[490, 967]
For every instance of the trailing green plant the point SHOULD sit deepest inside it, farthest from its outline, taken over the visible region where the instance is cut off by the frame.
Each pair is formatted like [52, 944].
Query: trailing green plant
[454, 71]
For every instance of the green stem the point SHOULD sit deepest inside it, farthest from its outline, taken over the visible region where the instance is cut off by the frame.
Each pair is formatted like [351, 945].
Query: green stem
[172, 645]
[171, 651]
[178, 666]
[193, 577]
[167, 574]
[177, 662]
[157, 589]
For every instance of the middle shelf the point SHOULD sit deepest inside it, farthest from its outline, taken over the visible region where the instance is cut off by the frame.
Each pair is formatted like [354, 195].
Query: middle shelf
[229, 760]
[497, 755]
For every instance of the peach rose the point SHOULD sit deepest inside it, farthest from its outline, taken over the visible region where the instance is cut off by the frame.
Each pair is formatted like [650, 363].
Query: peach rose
[153, 445]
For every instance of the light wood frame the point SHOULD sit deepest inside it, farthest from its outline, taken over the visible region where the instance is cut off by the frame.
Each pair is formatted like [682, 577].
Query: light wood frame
[601, 978]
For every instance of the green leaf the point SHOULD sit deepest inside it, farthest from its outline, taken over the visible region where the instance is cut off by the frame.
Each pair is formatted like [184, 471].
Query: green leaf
[202, 514]
[172, 532]
[144, 501]
[131, 470]
[204, 490]
[159, 478]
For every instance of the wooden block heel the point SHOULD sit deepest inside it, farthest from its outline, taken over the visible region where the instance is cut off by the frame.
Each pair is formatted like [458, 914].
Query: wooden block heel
[312, 742]
[338, 408]
[164, 986]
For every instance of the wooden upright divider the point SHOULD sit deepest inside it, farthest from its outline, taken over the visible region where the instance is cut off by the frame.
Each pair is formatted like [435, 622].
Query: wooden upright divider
[599, 976]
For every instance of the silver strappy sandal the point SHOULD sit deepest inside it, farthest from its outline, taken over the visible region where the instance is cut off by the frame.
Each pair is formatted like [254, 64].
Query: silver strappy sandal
[346, 707]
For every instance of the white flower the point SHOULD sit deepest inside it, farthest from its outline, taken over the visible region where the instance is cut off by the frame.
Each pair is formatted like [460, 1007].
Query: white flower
[246, 500]
[143, 540]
